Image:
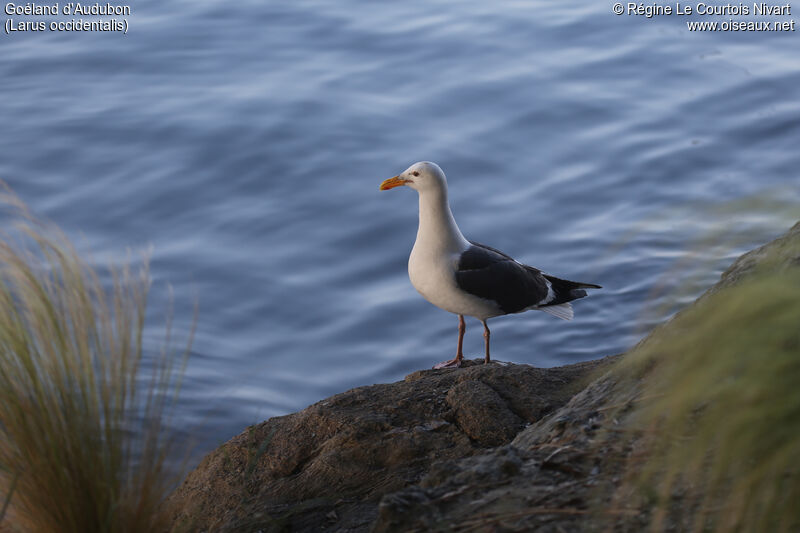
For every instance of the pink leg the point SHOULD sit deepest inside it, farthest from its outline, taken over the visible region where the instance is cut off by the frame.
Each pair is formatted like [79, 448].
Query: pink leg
[486, 335]
[456, 362]
[462, 327]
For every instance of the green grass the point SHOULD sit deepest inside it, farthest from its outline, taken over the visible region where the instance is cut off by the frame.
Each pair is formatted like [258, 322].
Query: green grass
[83, 439]
[719, 411]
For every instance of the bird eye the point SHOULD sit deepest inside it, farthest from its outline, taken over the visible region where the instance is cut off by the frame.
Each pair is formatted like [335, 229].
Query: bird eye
[415, 173]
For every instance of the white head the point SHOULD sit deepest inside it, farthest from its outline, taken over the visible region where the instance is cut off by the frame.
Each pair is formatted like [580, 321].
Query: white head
[422, 176]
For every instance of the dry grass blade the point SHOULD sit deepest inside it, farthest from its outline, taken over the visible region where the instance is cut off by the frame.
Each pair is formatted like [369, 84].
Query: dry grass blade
[83, 445]
[722, 417]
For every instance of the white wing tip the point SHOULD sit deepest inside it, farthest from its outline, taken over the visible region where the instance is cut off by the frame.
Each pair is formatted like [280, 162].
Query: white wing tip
[563, 311]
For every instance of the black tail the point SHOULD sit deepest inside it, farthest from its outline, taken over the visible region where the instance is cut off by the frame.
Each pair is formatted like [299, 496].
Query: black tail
[566, 290]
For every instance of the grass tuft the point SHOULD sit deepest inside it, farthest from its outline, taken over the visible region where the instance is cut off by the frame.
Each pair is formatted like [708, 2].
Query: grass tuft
[720, 411]
[83, 440]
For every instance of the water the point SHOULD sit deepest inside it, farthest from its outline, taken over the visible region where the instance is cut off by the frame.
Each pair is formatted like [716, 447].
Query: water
[246, 143]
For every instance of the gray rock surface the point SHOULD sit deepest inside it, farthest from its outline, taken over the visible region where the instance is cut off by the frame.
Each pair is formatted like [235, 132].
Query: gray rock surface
[501, 447]
[560, 474]
[326, 467]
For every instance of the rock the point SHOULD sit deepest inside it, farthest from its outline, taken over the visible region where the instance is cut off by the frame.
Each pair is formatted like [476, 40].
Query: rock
[562, 480]
[498, 447]
[775, 256]
[482, 414]
[338, 457]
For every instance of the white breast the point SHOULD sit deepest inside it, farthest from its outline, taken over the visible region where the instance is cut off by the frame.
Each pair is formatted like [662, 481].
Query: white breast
[433, 275]
[436, 253]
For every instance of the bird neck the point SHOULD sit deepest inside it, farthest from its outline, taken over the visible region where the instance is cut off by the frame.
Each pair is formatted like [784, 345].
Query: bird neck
[437, 227]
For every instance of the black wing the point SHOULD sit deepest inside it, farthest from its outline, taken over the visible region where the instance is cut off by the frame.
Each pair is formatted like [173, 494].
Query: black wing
[491, 274]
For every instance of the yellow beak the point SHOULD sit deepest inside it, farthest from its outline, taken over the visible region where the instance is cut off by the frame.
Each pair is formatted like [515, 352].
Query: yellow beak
[391, 183]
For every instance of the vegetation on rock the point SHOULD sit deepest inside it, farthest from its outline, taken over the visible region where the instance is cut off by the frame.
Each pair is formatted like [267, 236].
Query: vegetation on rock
[83, 440]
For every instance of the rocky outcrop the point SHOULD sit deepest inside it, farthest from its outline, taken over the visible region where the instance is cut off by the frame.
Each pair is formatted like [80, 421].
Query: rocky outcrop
[561, 473]
[498, 447]
[328, 466]
[775, 256]
[550, 477]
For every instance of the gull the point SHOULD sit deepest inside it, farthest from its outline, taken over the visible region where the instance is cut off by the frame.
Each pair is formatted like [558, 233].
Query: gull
[468, 278]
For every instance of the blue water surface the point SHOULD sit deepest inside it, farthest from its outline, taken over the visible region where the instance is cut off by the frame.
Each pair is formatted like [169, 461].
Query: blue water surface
[245, 142]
